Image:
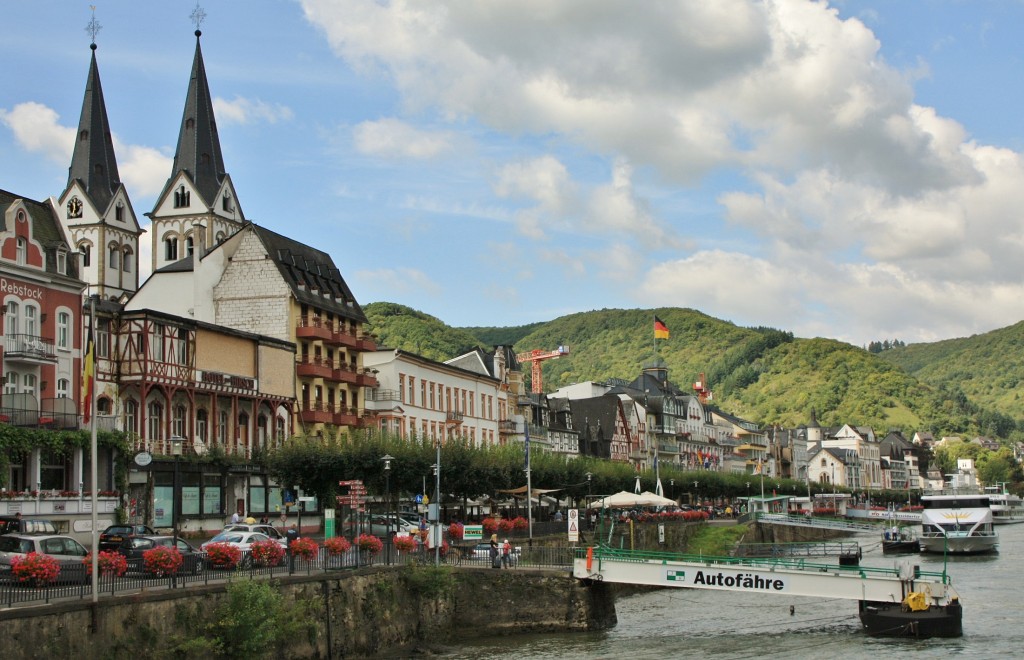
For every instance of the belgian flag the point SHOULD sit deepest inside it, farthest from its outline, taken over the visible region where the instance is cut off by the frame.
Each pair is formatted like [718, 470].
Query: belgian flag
[660, 329]
[88, 376]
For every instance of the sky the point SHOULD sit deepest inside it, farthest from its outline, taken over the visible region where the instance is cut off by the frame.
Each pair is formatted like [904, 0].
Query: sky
[847, 169]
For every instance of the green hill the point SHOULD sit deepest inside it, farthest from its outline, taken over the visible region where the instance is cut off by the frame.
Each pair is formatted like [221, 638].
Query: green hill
[762, 374]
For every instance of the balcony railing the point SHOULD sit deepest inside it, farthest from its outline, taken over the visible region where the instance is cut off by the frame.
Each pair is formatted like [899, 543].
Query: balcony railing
[506, 426]
[29, 347]
[453, 417]
[383, 395]
[51, 417]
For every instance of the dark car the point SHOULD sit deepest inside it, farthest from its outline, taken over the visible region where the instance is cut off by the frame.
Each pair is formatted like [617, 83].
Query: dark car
[134, 547]
[19, 525]
[112, 537]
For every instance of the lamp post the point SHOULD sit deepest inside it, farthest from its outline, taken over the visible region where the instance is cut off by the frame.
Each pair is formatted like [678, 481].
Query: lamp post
[387, 458]
[696, 495]
[671, 489]
[176, 446]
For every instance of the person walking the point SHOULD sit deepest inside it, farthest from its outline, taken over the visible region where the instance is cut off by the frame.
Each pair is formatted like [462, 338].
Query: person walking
[506, 554]
[495, 561]
[235, 518]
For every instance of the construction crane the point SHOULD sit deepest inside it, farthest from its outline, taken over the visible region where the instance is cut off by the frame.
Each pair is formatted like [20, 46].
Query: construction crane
[536, 356]
[703, 391]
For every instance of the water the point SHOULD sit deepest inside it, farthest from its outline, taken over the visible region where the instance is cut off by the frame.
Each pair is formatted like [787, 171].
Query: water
[672, 623]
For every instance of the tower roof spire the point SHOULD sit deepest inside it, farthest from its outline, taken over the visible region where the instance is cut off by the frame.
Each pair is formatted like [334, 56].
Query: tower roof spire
[93, 162]
[198, 151]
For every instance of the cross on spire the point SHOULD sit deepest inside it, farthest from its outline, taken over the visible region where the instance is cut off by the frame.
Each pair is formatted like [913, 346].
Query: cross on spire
[198, 16]
[93, 26]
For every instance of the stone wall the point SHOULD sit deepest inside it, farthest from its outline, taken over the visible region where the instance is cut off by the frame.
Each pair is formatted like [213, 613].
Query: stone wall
[357, 613]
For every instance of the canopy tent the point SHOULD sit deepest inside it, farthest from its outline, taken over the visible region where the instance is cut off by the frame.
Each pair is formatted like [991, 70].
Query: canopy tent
[620, 500]
[653, 499]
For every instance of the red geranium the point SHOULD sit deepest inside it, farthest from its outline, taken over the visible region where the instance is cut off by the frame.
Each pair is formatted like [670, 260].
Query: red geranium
[110, 563]
[162, 560]
[267, 553]
[369, 543]
[405, 543]
[490, 525]
[456, 530]
[35, 568]
[337, 545]
[223, 555]
[305, 548]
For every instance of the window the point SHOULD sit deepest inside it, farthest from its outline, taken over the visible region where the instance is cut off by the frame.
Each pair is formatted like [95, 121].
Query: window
[30, 321]
[182, 197]
[102, 338]
[155, 414]
[126, 261]
[119, 212]
[189, 245]
[401, 387]
[63, 330]
[115, 257]
[63, 388]
[158, 343]
[104, 405]
[22, 250]
[412, 392]
[201, 420]
[178, 422]
[130, 420]
[11, 382]
[280, 428]
[62, 262]
[28, 384]
[226, 202]
[222, 426]
[171, 248]
[11, 318]
[86, 251]
[182, 346]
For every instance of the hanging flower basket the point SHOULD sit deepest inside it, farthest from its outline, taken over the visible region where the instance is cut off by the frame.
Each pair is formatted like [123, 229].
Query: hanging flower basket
[369, 544]
[111, 563]
[305, 549]
[490, 525]
[520, 523]
[267, 553]
[337, 545]
[161, 561]
[456, 530]
[223, 555]
[405, 543]
[35, 569]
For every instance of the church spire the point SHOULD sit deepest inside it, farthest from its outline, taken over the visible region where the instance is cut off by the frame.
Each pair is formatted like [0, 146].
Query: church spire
[198, 153]
[93, 162]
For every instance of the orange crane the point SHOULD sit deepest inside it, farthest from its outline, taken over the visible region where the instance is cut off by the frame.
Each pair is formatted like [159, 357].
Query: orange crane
[536, 356]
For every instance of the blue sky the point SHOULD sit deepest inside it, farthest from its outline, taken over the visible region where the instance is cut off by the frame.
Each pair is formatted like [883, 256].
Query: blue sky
[849, 169]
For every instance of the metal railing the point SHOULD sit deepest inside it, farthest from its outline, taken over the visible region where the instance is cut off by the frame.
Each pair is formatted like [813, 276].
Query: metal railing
[29, 345]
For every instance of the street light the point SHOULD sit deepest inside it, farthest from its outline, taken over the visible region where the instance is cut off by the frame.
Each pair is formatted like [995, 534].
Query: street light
[176, 446]
[671, 489]
[387, 458]
[696, 496]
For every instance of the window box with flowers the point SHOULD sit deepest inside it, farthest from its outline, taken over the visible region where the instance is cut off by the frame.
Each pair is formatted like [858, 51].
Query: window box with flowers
[35, 569]
[223, 555]
[162, 561]
[267, 553]
[505, 525]
[111, 563]
[305, 549]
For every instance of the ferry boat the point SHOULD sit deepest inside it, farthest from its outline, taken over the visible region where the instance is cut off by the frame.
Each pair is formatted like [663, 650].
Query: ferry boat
[957, 524]
[897, 540]
[1006, 508]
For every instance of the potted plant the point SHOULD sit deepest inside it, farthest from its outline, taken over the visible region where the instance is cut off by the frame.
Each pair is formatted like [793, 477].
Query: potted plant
[267, 553]
[111, 563]
[223, 555]
[505, 525]
[35, 569]
[162, 560]
[305, 549]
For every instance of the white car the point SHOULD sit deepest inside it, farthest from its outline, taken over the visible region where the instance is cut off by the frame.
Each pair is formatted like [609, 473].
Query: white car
[240, 539]
[269, 530]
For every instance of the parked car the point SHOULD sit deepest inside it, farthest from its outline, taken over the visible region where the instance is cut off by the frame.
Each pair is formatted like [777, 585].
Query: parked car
[134, 547]
[68, 552]
[17, 524]
[112, 537]
[269, 530]
[242, 540]
[377, 524]
[483, 551]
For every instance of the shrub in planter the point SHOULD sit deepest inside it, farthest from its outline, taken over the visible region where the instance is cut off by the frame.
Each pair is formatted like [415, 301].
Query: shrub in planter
[35, 569]
[267, 553]
[223, 555]
[162, 560]
[337, 545]
[110, 563]
[405, 543]
[456, 530]
[369, 543]
[305, 548]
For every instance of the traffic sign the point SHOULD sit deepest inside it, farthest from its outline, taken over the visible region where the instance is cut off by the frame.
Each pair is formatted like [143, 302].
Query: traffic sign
[574, 525]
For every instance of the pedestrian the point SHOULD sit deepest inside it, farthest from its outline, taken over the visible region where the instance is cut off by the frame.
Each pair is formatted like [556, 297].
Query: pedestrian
[292, 535]
[264, 520]
[249, 520]
[235, 519]
[506, 554]
[558, 516]
[495, 561]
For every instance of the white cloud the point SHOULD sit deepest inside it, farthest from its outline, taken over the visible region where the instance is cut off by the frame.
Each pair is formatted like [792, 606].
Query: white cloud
[399, 281]
[241, 110]
[36, 128]
[394, 138]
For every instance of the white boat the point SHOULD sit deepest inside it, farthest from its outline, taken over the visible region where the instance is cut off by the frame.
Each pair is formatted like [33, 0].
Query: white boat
[1006, 508]
[957, 524]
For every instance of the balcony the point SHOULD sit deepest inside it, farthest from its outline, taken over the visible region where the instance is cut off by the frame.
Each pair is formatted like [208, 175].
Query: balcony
[346, 373]
[316, 412]
[506, 427]
[313, 328]
[29, 348]
[366, 343]
[315, 367]
[367, 379]
[453, 417]
[384, 395]
[668, 447]
[346, 417]
[342, 337]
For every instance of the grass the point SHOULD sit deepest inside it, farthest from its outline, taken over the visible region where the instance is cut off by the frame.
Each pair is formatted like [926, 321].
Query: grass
[715, 541]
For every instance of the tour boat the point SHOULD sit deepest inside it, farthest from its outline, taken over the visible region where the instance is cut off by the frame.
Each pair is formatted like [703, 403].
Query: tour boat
[957, 524]
[897, 540]
[1006, 508]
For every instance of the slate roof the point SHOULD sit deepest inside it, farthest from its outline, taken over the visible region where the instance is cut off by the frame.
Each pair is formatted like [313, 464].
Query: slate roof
[93, 163]
[46, 231]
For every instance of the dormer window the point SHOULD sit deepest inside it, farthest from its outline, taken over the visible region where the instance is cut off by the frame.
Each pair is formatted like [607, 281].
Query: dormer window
[21, 250]
[119, 212]
[62, 262]
[182, 197]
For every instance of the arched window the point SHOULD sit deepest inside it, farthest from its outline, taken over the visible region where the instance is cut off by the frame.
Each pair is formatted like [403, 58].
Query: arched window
[131, 416]
[31, 328]
[220, 237]
[171, 248]
[63, 388]
[104, 405]
[182, 197]
[28, 384]
[11, 382]
[189, 245]
[85, 250]
[178, 423]
[155, 421]
[115, 254]
[126, 261]
[119, 212]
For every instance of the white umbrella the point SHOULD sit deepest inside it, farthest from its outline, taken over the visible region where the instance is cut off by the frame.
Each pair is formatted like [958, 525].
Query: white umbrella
[620, 500]
[653, 499]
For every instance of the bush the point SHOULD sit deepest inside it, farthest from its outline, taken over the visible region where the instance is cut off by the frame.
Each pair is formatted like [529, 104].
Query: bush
[162, 560]
[111, 563]
[223, 555]
[337, 545]
[36, 569]
[267, 553]
[305, 548]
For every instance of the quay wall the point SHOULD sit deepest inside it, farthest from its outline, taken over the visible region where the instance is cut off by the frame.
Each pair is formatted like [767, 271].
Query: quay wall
[357, 613]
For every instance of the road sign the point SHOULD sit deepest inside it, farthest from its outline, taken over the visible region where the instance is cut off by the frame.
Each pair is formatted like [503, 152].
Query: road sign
[473, 532]
[419, 499]
[574, 525]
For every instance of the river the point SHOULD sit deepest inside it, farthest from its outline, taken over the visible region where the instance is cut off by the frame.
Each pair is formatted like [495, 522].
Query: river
[675, 623]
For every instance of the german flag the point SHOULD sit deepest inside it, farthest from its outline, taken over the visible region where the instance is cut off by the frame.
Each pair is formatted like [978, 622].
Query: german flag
[88, 376]
[660, 329]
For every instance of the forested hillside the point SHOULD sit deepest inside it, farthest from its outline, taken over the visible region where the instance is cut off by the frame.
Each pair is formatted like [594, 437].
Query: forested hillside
[759, 373]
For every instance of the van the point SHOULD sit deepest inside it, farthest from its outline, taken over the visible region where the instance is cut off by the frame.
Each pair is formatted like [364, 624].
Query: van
[18, 525]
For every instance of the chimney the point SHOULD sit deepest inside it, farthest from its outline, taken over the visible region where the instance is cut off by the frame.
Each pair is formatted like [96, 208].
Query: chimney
[199, 233]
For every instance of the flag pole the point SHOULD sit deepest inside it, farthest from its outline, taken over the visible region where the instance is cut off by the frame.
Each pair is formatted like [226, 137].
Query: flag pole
[529, 483]
[91, 403]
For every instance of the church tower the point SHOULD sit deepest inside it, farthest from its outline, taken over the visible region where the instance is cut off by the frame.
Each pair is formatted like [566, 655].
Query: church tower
[197, 208]
[94, 207]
